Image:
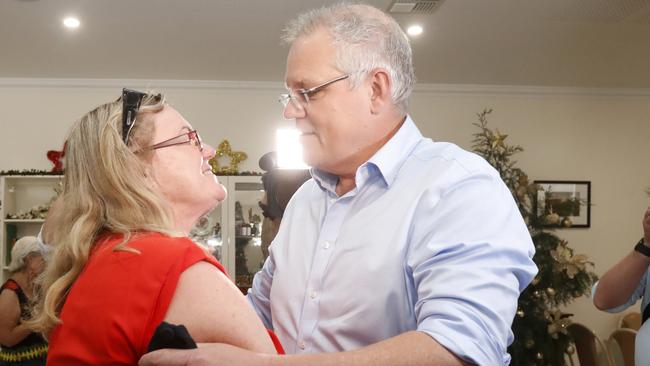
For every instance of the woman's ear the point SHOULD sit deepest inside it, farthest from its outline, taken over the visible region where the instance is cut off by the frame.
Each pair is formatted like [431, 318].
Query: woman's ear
[380, 90]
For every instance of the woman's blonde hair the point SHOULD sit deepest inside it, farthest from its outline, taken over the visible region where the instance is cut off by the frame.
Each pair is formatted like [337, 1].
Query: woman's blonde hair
[105, 190]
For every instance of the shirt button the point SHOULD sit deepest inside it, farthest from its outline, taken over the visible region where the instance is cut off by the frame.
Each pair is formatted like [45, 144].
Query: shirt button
[313, 294]
[326, 245]
[302, 345]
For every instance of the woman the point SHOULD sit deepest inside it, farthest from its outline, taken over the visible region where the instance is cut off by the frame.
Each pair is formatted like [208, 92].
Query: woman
[137, 179]
[20, 346]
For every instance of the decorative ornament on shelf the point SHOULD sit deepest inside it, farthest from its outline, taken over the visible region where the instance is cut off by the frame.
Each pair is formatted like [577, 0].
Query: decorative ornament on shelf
[38, 212]
[58, 159]
[236, 157]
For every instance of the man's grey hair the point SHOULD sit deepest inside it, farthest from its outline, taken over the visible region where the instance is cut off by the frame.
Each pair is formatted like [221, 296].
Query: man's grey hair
[365, 38]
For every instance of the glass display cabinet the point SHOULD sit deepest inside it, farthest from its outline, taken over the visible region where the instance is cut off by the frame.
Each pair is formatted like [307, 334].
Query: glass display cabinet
[232, 231]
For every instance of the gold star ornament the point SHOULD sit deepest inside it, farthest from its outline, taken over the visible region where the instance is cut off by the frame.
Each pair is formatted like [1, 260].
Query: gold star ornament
[236, 157]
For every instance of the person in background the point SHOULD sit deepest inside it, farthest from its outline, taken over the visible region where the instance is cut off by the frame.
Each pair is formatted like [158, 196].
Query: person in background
[279, 186]
[399, 250]
[137, 178]
[627, 282]
[19, 345]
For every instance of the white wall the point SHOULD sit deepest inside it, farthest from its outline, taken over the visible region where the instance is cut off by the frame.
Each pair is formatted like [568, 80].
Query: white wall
[598, 135]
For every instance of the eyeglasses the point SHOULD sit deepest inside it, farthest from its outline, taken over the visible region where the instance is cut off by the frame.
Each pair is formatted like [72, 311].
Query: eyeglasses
[190, 137]
[300, 97]
[131, 100]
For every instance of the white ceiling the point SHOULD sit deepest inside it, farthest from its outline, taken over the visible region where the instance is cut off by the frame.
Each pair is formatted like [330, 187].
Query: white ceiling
[576, 43]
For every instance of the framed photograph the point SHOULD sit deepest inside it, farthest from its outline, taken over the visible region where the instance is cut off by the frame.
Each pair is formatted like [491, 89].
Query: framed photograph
[563, 204]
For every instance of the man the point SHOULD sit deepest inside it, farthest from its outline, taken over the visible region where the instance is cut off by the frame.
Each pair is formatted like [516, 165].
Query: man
[399, 251]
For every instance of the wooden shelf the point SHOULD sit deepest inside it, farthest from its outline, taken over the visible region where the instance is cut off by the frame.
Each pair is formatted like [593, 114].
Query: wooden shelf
[247, 236]
[25, 221]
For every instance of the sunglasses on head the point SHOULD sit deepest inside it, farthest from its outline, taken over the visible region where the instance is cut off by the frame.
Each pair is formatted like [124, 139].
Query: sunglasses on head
[131, 100]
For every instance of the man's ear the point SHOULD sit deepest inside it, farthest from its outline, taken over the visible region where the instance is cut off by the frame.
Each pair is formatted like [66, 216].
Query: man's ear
[380, 90]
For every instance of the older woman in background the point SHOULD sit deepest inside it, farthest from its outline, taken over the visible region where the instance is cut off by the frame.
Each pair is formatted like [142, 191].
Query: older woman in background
[20, 346]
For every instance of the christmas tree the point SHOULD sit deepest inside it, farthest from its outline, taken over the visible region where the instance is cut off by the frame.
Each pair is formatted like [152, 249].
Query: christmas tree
[540, 328]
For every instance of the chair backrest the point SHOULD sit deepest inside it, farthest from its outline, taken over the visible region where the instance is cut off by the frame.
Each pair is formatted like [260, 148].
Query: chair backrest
[615, 352]
[625, 339]
[590, 349]
[630, 320]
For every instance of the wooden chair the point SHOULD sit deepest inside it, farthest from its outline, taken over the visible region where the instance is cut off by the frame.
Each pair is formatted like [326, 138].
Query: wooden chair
[625, 339]
[615, 352]
[590, 349]
[630, 320]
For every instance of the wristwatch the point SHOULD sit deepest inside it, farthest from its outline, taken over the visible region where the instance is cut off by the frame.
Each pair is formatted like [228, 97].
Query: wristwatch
[642, 248]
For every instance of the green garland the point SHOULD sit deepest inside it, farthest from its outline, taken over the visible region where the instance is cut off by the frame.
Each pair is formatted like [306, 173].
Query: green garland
[27, 172]
[46, 172]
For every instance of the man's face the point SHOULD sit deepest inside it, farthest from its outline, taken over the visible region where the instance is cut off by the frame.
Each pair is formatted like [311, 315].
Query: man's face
[334, 124]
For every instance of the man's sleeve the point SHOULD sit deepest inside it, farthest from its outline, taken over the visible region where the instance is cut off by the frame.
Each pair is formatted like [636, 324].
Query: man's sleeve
[471, 257]
[259, 295]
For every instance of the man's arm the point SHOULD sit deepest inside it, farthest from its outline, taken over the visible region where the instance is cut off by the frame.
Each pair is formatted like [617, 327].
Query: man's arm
[411, 348]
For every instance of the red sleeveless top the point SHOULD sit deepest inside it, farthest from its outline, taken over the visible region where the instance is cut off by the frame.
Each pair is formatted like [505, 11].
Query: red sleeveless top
[119, 299]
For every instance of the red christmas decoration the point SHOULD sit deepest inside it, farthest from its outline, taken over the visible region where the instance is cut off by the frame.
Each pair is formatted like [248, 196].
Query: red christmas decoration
[57, 158]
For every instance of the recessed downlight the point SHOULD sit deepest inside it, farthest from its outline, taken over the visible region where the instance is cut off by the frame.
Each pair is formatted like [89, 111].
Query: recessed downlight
[414, 30]
[71, 22]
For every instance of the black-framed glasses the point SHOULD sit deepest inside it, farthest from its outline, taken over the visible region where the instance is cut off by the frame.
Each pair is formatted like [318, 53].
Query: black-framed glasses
[190, 137]
[300, 98]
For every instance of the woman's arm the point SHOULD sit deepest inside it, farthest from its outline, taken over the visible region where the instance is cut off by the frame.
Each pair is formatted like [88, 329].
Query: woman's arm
[12, 331]
[215, 311]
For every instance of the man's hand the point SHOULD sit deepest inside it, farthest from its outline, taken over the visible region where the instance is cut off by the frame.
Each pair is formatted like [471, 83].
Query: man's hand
[208, 354]
[646, 227]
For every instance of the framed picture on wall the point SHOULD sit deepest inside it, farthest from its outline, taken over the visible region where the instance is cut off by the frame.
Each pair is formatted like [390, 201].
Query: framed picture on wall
[563, 204]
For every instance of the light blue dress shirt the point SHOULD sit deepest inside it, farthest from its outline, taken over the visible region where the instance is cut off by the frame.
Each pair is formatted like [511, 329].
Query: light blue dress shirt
[429, 240]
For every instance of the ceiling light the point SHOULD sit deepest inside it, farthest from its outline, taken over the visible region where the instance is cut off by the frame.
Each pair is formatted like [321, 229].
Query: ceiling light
[71, 22]
[414, 30]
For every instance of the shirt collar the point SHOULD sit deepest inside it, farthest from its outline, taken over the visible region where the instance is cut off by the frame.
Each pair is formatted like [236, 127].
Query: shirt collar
[385, 162]
[390, 157]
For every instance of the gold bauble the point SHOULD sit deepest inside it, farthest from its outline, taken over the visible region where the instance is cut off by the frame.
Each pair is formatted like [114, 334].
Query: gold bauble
[539, 356]
[550, 291]
[520, 313]
[570, 350]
